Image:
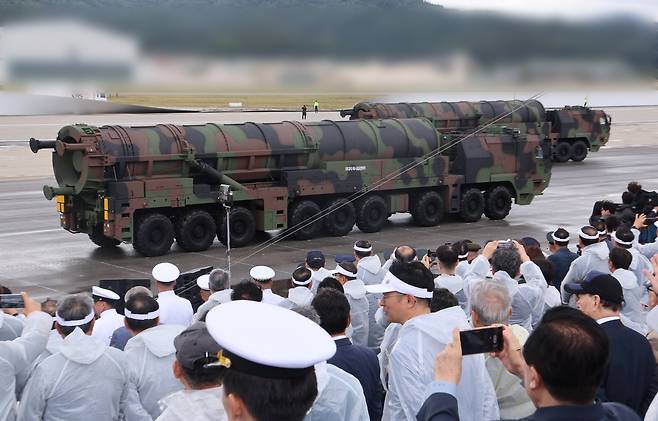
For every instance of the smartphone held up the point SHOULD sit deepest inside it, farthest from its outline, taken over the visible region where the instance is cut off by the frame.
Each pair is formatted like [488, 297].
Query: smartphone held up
[11, 301]
[481, 341]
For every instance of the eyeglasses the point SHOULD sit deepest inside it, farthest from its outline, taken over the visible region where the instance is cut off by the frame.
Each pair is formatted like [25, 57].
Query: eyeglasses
[388, 295]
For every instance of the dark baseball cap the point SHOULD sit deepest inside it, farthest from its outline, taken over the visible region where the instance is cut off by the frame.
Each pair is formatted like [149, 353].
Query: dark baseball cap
[315, 257]
[344, 257]
[605, 286]
[194, 344]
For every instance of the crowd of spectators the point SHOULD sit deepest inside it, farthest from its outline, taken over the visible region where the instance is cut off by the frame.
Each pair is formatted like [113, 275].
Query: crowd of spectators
[375, 337]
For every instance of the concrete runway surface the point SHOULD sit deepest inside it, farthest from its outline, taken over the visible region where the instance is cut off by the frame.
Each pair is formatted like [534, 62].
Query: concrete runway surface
[39, 257]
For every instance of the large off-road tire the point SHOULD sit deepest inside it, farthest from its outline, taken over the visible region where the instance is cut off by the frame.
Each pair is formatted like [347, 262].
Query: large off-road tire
[427, 209]
[98, 238]
[300, 216]
[371, 214]
[154, 235]
[562, 152]
[195, 230]
[497, 203]
[340, 218]
[578, 151]
[242, 225]
[472, 205]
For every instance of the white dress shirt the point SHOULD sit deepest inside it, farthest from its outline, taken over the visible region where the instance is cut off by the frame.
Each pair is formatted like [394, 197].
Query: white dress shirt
[174, 310]
[105, 326]
[269, 297]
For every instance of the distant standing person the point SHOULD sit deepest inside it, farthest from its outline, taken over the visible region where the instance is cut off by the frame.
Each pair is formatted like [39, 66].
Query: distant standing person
[304, 112]
[316, 105]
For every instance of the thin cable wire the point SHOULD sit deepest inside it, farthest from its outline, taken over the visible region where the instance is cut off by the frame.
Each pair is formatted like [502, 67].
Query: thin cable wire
[367, 189]
[394, 174]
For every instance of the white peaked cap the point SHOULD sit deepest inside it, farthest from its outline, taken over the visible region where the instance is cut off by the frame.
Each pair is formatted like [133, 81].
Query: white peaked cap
[104, 293]
[203, 282]
[287, 345]
[261, 273]
[165, 272]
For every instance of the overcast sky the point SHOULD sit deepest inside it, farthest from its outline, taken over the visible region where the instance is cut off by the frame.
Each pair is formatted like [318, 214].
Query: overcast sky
[570, 9]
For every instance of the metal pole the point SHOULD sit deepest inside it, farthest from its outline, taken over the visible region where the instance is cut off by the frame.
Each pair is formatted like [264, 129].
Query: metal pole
[228, 237]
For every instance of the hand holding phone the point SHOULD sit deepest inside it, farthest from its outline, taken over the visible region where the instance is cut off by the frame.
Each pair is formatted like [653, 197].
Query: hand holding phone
[448, 363]
[481, 341]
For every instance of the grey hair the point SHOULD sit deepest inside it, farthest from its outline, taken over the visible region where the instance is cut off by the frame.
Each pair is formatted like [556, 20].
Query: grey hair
[137, 290]
[491, 301]
[218, 280]
[507, 260]
[75, 307]
[308, 312]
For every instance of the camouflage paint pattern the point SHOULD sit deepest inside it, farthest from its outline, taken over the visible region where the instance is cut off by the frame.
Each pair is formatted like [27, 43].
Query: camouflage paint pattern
[564, 125]
[110, 175]
[581, 123]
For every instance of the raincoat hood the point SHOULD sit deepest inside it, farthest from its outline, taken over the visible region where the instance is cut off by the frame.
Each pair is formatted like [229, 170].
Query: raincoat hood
[355, 288]
[159, 340]
[322, 377]
[428, 323]
[55, 342]
[80, 348]
[600, 250]
[301, 296]
[511, 283]
[635, 263]
[626, 278]
[371, 264]
[453, 283]
[223, 296]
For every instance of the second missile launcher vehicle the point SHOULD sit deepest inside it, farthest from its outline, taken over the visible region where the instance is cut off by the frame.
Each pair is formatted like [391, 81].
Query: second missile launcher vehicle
[573, 130]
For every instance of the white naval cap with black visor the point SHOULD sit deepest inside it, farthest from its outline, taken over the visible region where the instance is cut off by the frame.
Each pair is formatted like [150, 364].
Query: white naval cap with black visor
[267, 341]
[392, 283]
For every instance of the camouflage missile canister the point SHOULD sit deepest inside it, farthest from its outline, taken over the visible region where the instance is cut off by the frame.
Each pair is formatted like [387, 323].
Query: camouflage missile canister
[152, 185]
[573, 131]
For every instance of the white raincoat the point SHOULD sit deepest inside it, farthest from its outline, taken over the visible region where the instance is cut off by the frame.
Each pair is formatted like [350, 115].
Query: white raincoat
[151, 355]
[269, 297]
[340, 396]
[10, 327]
[194, 405]
[593, 257]
[527, 299]
[85, 381]
[371, 271]
[355, 291]
[53, 346]
[300, 296]
[632, 308]
[454, 284]
[384, 356]
[215, 299]
[638, 265]
[318, 276]
[17, 355]
[411, 370]
[106, 324]
[648, 249]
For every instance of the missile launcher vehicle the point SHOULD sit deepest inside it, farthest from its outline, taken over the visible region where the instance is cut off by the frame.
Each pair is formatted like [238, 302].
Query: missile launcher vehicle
[573, 130]
[151, 186]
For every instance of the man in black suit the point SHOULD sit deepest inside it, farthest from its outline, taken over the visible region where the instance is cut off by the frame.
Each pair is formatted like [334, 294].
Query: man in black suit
[631, 375]
[361, 362]
[562, 365]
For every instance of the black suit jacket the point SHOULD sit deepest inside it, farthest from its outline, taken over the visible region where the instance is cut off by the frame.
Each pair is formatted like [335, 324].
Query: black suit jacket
[362, 363]
[631, 376]
[443, 407]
